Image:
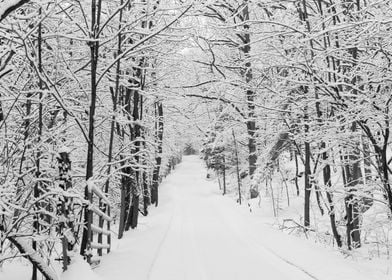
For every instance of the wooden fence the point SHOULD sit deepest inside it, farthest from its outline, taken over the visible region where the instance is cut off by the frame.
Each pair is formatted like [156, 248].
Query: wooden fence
[99, 228]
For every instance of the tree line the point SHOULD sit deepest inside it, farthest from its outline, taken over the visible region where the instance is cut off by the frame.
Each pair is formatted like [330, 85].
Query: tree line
[95, 96]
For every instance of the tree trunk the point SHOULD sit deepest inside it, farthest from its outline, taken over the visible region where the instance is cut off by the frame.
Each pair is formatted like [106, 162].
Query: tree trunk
[37, 186]
[125, 199]
[353, 168]
[146, 193]
[250, 94]
[307, 174]
[134, 211]
[237, 168]
[115, 99]
[353, 176]
[224, 175]
[94, 50]
[296, 172]
[331, 210]
[158, 157]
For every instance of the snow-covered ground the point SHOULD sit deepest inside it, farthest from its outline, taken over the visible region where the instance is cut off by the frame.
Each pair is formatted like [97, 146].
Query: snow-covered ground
[196, 233]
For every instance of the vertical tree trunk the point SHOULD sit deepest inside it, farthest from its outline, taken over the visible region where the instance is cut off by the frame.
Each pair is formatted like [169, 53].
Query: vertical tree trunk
[134, 211]
[146, 193]
[129, 176]
[331, 210]
[296, 172]
[237, 168]
[250, 94]
[307, 184]
[158, 157]
[125, 199]
[353, 180]
[303, 15]
[36, 223]
[327, 167]
[353, 168]
[143, 175]
[367, 161]
[117, 96]
[224, 175]
[94, 50]
[1, 111]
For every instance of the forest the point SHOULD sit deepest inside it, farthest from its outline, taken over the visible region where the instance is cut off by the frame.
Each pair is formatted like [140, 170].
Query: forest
[286, 102]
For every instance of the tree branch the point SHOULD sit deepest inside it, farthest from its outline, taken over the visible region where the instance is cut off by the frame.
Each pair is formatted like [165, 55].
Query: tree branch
[219, 99]
[8, 6]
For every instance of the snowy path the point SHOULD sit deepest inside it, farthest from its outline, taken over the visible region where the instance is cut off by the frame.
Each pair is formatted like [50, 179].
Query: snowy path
[196, 234]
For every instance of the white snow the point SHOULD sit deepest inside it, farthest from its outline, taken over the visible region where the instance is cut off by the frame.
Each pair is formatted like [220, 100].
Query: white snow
[92, 187]
[64, 149]
[196, 233]
[79, 269]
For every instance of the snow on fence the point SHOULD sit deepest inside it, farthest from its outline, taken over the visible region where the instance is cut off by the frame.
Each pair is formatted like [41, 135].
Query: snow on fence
[99, 235]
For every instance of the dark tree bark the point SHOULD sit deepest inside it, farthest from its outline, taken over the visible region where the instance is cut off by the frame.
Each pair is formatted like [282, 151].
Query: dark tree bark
[136, 133]
[331, 210]
[250, 94]
[15, 5]
[134, 208]
[158, 157]
[119, 95]
[224, 175]
[296, 172]
[146, 193]
[353, 168]
[308, 172]
[353, 175]
[307, 184]
[237, 168]
[37, 185]
[94, 51]
[126, 182]
[327, 167]
[143, 173]
[1, 111]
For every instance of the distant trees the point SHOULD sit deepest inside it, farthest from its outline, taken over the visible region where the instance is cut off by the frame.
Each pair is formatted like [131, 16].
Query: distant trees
[229, 44]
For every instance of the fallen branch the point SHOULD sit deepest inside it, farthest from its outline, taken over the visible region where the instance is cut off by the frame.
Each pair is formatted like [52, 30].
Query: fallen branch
[29, 253]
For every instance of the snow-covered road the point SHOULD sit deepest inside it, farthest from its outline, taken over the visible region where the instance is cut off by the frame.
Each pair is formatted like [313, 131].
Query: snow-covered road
[204, 241]
[196, 234]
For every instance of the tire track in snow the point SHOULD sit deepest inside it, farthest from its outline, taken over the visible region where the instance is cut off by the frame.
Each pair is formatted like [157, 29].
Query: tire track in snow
[289, 262]
[252, 241]
[194, 248]
[191, 257]
[161, 243]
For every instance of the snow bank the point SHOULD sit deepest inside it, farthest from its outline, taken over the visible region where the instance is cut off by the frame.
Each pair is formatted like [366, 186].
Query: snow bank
[79, 269]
